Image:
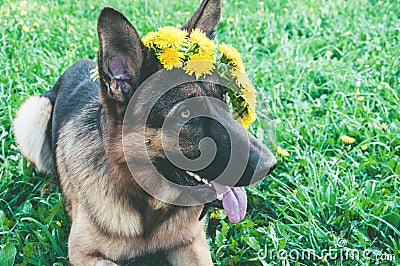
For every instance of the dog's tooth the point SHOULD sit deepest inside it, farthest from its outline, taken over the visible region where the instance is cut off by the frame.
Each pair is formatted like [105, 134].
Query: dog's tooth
[220, 196]
[196, 176]
[205, 181]
[190, 173]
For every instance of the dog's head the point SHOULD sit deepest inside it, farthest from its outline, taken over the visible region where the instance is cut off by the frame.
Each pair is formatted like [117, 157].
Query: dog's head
[184, 119]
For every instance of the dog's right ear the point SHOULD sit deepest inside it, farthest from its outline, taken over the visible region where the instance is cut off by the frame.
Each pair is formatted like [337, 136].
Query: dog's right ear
[205, 18]
[120, 58]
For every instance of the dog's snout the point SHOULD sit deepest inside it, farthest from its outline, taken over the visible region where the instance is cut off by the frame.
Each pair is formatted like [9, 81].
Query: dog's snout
[260, 164]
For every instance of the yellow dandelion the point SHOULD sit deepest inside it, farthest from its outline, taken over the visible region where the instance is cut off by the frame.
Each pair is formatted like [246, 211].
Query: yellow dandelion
[170, 58]
[282, 152]
[285, 10]
[72, 45]
[280, 59]
[156, 12]
[46, 30]
[232, 55]
[250, 97]
[242, 80]
[347, 33]
[30, 42]
[35, 24]
[187, 13]
[165, 37]
[360, 99]
[347, 140]
[24, 13]
[91, 33]
[199, 66]
[248, 118]
[91, 7]
[149, 39]
[89, 39]
[72, 21]
[230, 20]
[247, 89]
[364, 147]
[70, 29]
[216, 213]
[59, 223]
[206, 46]
[295, 191]
[359, 60]
[96, 49]
[25, 28]
[384, 126]
[213, 215]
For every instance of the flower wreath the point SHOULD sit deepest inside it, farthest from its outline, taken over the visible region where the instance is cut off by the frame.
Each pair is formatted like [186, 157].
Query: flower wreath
[199, 55]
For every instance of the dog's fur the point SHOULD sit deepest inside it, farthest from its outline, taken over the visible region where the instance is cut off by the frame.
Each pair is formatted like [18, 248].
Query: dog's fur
[74, 131]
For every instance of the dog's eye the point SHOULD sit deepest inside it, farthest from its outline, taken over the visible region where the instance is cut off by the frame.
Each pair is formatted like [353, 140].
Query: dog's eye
[185, 114]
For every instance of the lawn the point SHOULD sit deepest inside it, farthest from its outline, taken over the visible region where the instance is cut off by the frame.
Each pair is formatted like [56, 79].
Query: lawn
[323, 69]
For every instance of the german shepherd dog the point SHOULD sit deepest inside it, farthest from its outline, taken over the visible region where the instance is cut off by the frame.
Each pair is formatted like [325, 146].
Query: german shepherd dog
[75, 131]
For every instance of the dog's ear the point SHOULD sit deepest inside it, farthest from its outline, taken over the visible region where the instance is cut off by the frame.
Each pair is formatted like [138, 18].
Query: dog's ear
[206, 18]
[120, 56]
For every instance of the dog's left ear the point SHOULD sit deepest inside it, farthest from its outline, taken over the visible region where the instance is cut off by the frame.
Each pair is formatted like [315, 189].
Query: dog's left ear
[206, 18]
[120, 57]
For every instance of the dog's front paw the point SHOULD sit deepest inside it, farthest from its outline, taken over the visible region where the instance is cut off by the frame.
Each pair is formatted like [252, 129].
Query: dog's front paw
[105, 263]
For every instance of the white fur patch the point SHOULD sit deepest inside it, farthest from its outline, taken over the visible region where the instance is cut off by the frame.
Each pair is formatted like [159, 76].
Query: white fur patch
[30, 127]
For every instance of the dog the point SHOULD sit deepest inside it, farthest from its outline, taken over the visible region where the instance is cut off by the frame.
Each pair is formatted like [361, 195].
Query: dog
[75, 132]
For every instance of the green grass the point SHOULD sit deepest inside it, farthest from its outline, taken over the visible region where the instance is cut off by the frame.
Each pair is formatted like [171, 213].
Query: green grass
[311, 60]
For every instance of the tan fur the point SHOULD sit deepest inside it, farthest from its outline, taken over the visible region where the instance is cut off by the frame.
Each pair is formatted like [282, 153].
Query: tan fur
[30, 129]
[102, 220]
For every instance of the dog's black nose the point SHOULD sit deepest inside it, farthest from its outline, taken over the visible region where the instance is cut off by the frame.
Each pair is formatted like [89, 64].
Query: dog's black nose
[272, 168]
[260, 164]
[266, 164]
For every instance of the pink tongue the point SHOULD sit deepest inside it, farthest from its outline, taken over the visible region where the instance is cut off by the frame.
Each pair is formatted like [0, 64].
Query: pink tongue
[234, 201]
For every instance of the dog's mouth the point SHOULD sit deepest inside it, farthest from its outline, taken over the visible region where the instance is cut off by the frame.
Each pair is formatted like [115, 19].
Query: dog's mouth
[232, 199]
